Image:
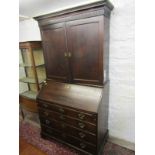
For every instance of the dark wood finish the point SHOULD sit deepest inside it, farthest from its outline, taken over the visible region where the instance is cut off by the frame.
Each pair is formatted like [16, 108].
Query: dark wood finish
[49, 137]
[103, 111]
[79, 133]
[70, 140]
[64, 119]
[106, 48]
[76, 50]
[89, 10]
[85, 42]
[74, 113]
[56, 62]
[72, 96]
[57, 113]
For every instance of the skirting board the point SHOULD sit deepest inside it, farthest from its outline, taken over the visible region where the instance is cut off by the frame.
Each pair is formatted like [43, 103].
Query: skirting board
[122, 143]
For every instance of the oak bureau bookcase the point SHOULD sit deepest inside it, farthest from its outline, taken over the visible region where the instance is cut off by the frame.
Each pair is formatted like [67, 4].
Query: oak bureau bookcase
[73, 102]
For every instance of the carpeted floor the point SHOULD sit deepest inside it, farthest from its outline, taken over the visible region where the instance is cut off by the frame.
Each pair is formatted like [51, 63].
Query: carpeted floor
[31, 133]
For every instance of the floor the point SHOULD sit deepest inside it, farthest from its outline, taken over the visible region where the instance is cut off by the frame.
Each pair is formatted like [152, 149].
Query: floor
[30, 142]
[28, 149]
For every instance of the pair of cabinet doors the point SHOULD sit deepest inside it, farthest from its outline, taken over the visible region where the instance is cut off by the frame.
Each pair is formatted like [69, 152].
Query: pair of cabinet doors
[73, 50]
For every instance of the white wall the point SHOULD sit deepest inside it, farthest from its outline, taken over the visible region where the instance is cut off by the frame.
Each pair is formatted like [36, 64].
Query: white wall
[121, 116]
[29, 30]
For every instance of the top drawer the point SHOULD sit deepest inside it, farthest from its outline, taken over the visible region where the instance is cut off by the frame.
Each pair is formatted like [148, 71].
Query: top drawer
[68, 111]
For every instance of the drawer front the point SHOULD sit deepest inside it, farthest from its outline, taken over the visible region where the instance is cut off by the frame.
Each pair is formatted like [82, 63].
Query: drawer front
[83, 135]
[74, 122]
[89, 117]
[69, 139]
[64, 119]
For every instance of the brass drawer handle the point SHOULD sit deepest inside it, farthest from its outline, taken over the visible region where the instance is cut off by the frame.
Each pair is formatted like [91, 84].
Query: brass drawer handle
[47, 122]
[69, 54]
[82, 135]
[82, 145]
[81, 116]
[81, 125]
[61, 110]
[65, 54]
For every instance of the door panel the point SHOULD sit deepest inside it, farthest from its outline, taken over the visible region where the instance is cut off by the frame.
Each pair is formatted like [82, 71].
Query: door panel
[54, 44]
[85, 42]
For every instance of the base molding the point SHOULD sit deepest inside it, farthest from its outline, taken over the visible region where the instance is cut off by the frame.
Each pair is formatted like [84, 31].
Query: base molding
[121, 142]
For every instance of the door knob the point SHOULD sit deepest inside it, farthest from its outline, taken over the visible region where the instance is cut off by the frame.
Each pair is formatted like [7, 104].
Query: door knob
[65, 54]
[69, 54]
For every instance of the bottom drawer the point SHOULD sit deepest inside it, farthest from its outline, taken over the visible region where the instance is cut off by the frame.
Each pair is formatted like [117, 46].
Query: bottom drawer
[69, 139]
[63, 127]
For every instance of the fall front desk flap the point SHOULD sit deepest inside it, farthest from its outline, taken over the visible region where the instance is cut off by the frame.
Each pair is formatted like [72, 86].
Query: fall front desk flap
[81, 97]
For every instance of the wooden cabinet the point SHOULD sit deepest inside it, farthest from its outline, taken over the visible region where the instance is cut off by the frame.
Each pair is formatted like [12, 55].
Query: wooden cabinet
[74, 49]
[78, 58]
[85, 43]
[56, 63]
[74, 115]
[32, 73]
[73, 103]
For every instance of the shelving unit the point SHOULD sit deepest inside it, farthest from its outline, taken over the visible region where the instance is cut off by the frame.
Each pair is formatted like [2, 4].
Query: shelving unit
[30, 80]
[28, 65]
[29, 94]
[32, 73]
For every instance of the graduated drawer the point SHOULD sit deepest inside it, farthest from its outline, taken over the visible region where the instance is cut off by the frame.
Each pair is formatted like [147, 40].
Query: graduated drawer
[89, 117]
[68, 139]
[47, 116]
[81, 134]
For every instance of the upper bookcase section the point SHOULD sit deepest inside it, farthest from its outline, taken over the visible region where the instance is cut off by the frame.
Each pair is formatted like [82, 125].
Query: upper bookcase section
[76, 43]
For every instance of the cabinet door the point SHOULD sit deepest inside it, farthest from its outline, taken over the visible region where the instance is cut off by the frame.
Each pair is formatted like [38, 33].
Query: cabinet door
[54, 44]
[85, 43]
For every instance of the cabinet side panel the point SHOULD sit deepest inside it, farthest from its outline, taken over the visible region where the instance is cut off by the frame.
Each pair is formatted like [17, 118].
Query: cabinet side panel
[103, 117]
[106, 49]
